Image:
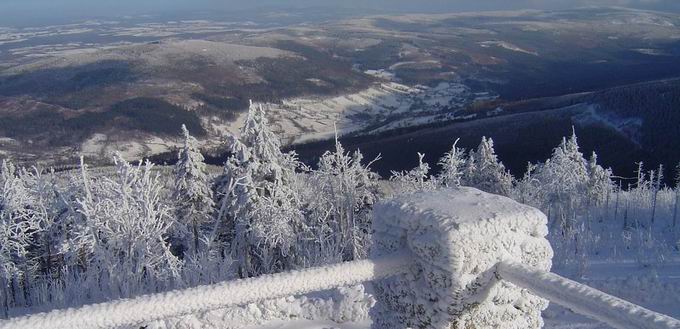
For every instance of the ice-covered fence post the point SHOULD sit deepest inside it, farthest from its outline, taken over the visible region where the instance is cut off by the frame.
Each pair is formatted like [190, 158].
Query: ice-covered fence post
[457, 237]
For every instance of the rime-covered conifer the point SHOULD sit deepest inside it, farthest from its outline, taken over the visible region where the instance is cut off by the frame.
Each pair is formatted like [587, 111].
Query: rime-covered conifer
[259, 211]
[599, 182]
[485, 172]
[192, 194]
[563, 180]
[676, 206]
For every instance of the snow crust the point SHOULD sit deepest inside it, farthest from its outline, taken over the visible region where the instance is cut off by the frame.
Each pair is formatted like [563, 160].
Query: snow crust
[457, 237]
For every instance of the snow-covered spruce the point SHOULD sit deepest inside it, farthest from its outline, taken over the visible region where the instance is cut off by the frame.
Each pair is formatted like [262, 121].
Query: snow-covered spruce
[193, 196]
[258, 208]
[484, 171]
[17, 228]
[457, 237]
[564, 180]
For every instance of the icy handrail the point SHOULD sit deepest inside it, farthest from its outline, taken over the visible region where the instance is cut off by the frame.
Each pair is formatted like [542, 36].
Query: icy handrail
[584, 300]
[144, 309]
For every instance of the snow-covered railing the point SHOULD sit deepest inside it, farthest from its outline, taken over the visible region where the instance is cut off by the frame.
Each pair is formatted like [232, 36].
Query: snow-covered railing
[584, 300]
[137, 311]
[443, 259]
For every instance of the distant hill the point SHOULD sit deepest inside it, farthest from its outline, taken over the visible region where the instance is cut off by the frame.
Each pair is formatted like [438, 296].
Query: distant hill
[98, 87]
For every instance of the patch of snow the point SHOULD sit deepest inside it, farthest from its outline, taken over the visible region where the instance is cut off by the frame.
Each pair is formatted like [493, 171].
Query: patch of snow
[627, 126]
[414, 64]
[651, 52]
[381, 107]
[506, 45]
[94, 146]
[381, 74]
[104, 146]
[316, 324]
[7, 140]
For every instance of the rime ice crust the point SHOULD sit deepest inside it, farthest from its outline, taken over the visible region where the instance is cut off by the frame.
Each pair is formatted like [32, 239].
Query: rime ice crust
[457, 237]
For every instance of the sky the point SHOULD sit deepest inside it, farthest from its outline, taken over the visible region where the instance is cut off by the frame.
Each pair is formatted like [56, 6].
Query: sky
[17, 11]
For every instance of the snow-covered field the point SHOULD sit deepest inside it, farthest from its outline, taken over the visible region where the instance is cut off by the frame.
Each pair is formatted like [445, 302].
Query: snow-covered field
[506, 45]
[153, 55]
[382, 107]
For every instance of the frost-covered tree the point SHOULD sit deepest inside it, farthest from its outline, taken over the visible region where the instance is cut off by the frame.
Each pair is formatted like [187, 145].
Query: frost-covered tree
[599, 182]
[192, 194]
[51, 211]
[527, 189]
[127, 226]
[340, 196]
[563, 180]
[453, 166]
[657, 181]
[71, 246]
[676, 206]
[485, 172]
[416, 179]
[18, 225]
[259, 210]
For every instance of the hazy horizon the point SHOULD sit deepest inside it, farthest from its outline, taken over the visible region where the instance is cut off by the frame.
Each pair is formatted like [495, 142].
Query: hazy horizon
[27, 12]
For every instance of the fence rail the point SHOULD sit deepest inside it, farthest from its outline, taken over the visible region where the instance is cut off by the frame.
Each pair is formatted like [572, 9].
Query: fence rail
[584, 300]
[128, 312]
[144, 309]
